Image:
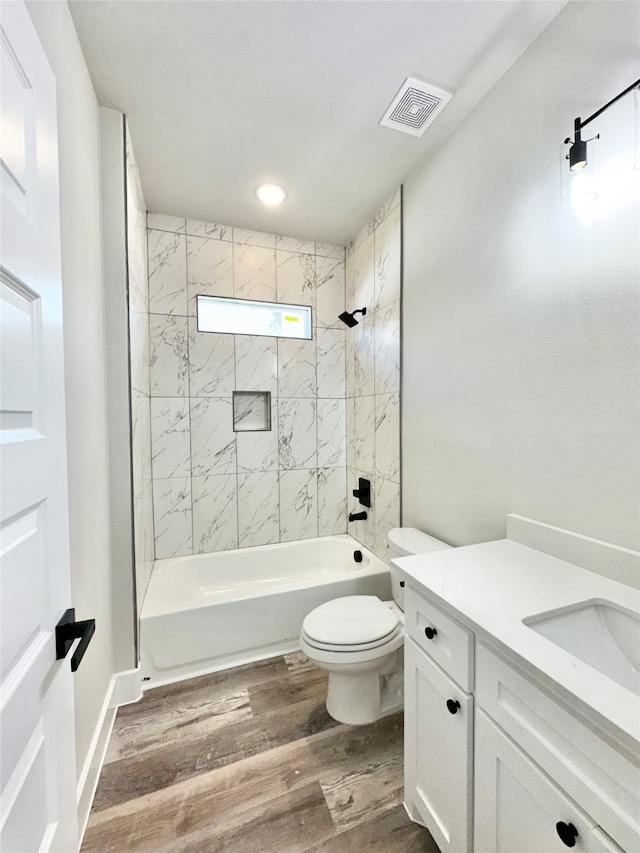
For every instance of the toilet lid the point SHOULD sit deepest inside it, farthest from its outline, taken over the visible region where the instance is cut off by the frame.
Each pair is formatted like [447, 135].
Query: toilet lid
[350, 621]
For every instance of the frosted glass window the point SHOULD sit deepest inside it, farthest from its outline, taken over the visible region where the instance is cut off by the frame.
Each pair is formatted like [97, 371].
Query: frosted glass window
[247, 317]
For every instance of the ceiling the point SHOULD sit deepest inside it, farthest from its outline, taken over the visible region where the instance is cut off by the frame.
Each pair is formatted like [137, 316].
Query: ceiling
[222, 96]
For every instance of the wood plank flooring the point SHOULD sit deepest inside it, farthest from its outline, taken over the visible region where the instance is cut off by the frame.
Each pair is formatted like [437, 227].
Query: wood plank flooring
[248, 761]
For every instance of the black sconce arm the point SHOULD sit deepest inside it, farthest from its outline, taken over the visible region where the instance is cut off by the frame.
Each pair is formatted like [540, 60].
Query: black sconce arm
[579, 124]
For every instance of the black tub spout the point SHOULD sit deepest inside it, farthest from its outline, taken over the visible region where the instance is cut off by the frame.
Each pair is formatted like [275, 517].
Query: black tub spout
[358, 516]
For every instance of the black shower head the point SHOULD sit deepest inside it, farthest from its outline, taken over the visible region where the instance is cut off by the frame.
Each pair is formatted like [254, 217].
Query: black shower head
[349, 318]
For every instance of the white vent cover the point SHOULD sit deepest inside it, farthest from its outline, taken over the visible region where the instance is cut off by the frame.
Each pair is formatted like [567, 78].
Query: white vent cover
[415, 106]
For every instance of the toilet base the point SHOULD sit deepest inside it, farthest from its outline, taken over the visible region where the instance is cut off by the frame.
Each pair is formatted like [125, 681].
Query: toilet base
[358, 699]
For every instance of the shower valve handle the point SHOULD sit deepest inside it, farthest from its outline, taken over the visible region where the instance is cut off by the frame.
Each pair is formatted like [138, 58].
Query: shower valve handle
[363, 492]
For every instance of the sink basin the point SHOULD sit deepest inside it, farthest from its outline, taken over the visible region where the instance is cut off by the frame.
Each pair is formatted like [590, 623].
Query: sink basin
[599, 633]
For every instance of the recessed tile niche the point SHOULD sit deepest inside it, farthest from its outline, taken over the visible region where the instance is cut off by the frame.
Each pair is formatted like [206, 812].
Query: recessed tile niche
[251, 411]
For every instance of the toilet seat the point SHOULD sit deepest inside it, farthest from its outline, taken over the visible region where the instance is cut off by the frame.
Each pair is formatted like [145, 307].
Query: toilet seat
[351, 623]
[343, 649]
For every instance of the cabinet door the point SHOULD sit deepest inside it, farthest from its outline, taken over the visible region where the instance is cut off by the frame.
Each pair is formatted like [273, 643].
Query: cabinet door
[517, 806]
[438, 752]
[603, 777]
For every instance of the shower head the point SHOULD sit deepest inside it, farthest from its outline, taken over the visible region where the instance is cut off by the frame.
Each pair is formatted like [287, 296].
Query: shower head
[348, 318]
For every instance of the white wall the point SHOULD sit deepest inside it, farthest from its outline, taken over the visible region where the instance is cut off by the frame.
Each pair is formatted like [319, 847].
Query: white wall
[78, 141]
[115, 226]
[520, 357]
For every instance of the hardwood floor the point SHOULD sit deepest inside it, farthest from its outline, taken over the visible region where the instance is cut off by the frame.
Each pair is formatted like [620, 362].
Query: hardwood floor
[248, 761]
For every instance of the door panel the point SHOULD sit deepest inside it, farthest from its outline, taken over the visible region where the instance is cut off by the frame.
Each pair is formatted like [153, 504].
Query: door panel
[23, 828]
[18, 153]
[21, 333]
[23, 580]
[37, 741]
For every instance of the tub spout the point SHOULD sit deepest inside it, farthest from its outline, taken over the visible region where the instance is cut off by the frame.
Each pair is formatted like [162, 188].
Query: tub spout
[358, 516]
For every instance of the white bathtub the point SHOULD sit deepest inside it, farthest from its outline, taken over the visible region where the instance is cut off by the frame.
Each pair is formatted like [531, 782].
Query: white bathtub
[213, 611]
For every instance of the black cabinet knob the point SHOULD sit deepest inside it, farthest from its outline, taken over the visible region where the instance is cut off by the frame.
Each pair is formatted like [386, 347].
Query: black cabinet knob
[567, 832]
[430, 633]
[452, 706]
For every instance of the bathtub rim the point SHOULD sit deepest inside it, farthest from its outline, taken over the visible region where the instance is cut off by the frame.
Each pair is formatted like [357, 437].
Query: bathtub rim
[375, 566]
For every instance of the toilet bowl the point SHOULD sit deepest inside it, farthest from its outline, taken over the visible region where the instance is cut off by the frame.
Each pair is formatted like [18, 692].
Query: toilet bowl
[358, 640]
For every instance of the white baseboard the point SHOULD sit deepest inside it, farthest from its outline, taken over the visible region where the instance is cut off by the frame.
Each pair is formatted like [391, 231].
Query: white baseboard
[88, 781]
[124, 688]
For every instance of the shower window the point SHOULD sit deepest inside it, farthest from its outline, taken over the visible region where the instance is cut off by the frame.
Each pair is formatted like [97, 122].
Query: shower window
[249, 317]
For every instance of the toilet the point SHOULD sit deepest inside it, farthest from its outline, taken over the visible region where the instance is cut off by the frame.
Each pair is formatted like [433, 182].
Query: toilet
[358, 640]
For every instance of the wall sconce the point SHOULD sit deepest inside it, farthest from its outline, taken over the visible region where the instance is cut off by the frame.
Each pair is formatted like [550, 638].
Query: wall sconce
[576, 165]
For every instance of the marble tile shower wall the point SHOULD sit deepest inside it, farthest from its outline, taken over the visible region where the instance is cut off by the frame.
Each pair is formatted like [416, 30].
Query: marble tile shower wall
[373, 275]
[140, 374]
[215, 489]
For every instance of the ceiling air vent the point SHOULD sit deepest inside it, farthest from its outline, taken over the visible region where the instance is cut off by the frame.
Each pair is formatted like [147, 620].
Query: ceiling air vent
[415, 106]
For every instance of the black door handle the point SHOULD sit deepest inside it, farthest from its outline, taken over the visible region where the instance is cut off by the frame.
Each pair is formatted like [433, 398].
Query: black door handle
[452, 706]
[68, 630]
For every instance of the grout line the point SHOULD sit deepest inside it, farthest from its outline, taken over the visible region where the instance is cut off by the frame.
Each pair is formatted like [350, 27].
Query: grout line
[279, 469]
[235, 387]
[317, 398]
[186, 284]
[148, 307]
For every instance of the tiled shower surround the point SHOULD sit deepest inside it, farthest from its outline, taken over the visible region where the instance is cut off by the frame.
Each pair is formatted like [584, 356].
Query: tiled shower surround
[216, 489]
[373, 275]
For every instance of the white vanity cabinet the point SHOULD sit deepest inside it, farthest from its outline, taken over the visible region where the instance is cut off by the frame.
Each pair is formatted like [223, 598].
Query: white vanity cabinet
[438, 725]
[519, 808]
[516, 768]
[592, 769]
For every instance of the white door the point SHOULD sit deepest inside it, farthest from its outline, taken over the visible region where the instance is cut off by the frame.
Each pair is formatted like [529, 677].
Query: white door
[519, 808]
[37, 772]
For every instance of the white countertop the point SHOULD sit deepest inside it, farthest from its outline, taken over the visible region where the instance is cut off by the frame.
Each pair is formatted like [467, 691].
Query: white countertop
[493, 586]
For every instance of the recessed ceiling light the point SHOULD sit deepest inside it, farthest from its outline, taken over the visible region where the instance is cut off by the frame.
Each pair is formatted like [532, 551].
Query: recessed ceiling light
[271, 194]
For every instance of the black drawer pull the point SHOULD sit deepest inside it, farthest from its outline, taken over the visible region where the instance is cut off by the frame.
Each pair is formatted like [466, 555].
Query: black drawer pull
[430, 633]
[68, 630]
[567, 832]
[452, 706]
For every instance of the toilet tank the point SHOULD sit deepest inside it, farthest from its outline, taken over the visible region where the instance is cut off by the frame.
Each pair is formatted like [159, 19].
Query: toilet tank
[402, 542]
